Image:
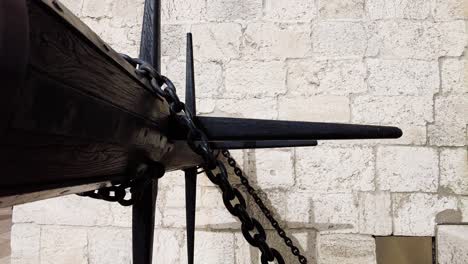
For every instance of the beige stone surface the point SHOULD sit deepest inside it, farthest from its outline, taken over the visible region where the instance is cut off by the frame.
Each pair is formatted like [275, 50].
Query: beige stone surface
[452, 241]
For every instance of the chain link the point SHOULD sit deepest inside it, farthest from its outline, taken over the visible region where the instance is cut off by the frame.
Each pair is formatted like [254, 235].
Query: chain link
[216, 171]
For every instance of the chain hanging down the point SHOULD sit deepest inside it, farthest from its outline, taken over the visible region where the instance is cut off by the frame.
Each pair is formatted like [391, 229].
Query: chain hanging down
[251, 228]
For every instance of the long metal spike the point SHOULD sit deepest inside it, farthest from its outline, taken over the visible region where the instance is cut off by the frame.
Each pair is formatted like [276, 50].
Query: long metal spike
[190, 173]
[262, 144]
[143, 210]
[190, 210]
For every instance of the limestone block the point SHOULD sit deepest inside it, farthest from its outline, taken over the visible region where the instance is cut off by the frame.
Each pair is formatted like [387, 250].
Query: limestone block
[454, 170]
[345, 249]
[407, 169]
[451, 109]
[414, 214]
[262, 108]
[216, 42]
[183, 11]
[67, 210]
[208, 78]
[213, 248]
[96, 9]
[25, 243]
[339, 39]
[229, 10]
[375, 213]
[274, 168]
[295, 10]
[446, 10]
[308, 77]
[464, 208]
[395, 110]
[409, 9]
[421, 40]
[327, 213]
[254, 79]
[315, 108]
[265, 40]
[339, 9]
[74, 6]
[452, 242]
[331, 169]
[173, 41]
[110, 245]
[403, 77]
[168, 245]
[447, 134]
[121, 15]
[64, 245]
[452, 72]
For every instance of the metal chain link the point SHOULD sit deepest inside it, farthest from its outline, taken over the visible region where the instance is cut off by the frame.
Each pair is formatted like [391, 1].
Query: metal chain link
[234, 201]
[266, 212]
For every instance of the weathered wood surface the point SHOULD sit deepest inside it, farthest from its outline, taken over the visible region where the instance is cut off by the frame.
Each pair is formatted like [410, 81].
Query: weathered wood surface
[82, 115]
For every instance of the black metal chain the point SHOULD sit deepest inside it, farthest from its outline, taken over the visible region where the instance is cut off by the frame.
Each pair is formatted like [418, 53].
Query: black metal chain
[234, 201]
[266, 212]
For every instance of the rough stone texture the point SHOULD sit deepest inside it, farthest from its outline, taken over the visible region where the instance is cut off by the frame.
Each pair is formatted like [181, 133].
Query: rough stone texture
[388, 62]
[452, 241]
[415, 214]
[308, 77]
[403, 77]
[335, 169]
[339, 39]
[407, 169]
[454, 170]
[346, 249]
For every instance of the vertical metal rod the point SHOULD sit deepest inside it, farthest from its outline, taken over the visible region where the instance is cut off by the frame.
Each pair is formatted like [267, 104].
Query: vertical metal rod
[190, 173]
[144, 210]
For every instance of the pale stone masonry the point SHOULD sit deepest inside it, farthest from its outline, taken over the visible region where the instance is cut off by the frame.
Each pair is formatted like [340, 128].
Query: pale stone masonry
[388, 62]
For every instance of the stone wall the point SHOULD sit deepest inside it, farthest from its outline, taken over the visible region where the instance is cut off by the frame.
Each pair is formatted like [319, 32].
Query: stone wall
[388, 62]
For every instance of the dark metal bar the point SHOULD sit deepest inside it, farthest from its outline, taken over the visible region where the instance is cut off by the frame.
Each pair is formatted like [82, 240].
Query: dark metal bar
[143, 212]
[240, 129]
[190, 209]
[190, 97]
[262, 144]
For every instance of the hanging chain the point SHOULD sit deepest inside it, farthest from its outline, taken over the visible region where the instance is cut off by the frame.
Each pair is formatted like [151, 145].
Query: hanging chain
[216, 171]
[266, 212]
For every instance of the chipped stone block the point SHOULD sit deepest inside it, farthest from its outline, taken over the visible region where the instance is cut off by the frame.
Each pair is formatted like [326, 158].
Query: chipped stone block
[110, 245]
[311, 77]
[183, 11]
[414, 214]
[121, 17]
[265, 40]
[331, 169]
[464, 209]
[409, 110]
[254, 79]
[452, 244]
[262, 108]
[315, 108]
[454, 170]
[327, 213]
[446, 10]
[64, 245]
[216, 42]
[375, 213]
[407, 169]
[73, 5]
[25, 243]
[410, 9]
[339, 40]
[403, 77]
[229, 10]
[451, 109]
[421, 40]
[67, 210]
[173, 41]
[447, 134]
[345, 249]
[212, 248]
[339, 9]
[96, 9]
[452, 72]
[274, 168]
